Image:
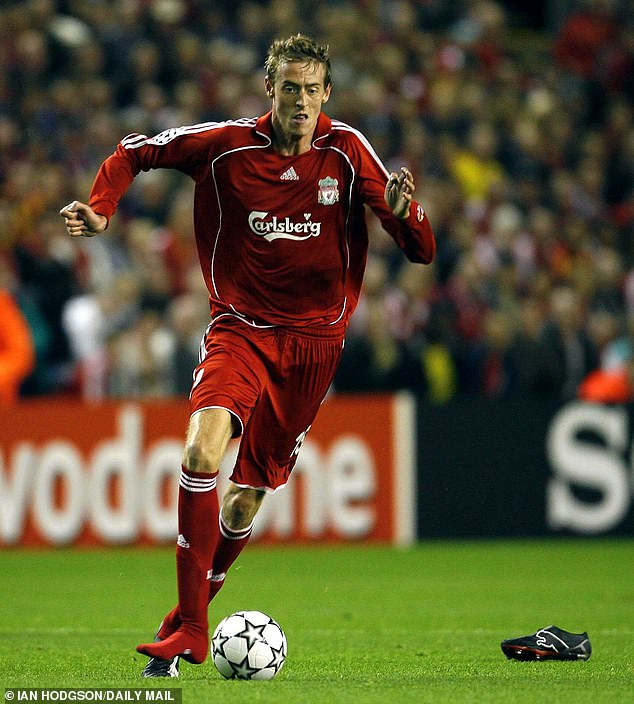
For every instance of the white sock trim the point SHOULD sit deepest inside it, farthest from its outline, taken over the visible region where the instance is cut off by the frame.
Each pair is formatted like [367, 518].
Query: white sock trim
[197, 484]
[230, 533]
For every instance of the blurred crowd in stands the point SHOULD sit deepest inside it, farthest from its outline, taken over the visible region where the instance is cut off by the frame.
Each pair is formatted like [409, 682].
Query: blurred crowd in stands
[519, 130]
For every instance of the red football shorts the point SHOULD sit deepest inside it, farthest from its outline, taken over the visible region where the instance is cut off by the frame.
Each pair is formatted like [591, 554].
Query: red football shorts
[272, 380]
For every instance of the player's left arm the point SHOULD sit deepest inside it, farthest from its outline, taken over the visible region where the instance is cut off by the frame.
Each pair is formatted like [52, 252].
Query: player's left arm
[390, 196]
[399, 190]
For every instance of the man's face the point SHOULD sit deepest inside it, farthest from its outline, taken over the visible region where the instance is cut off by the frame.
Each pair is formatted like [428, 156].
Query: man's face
[298, 94]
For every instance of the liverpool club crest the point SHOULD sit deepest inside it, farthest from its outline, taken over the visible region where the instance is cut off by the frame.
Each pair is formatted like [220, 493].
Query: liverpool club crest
[328, 193]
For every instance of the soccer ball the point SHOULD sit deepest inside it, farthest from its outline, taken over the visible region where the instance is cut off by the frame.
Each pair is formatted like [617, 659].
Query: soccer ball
[248, 645]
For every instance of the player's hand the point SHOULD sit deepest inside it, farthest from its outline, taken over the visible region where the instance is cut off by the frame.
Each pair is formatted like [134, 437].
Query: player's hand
[398, 192]
[82, 221]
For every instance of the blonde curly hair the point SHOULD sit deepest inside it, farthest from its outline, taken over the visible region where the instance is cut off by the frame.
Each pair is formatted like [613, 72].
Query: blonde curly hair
[298, 47]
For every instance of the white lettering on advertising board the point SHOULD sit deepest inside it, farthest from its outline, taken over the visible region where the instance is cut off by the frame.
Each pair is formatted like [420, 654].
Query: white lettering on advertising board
[64, 491]
[586, 447]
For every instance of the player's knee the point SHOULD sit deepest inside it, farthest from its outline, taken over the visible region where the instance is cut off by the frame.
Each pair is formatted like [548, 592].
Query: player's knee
[199, 458]
[240, 506]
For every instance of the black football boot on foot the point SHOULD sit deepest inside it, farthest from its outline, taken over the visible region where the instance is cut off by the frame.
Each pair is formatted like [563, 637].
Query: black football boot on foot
[161, 668]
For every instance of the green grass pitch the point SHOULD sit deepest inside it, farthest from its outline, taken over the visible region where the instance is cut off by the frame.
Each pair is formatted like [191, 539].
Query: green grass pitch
[364, 624]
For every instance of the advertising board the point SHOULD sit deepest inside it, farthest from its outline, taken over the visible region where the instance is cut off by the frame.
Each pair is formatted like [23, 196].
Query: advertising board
[77, 474]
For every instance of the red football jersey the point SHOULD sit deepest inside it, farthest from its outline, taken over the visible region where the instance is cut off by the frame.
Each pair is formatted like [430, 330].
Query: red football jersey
[282, 240]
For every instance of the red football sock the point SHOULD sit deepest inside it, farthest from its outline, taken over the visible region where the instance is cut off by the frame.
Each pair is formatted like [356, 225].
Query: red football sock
[230, 545]
[197, 539]
[169, 624]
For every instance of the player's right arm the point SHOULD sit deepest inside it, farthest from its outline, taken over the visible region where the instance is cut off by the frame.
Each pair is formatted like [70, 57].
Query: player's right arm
[184, 148]
[82, 221]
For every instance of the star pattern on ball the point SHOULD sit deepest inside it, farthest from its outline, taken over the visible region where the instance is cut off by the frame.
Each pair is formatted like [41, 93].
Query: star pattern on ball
[219, 642]
[278, 657]
[243, 671]
[252, 633]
